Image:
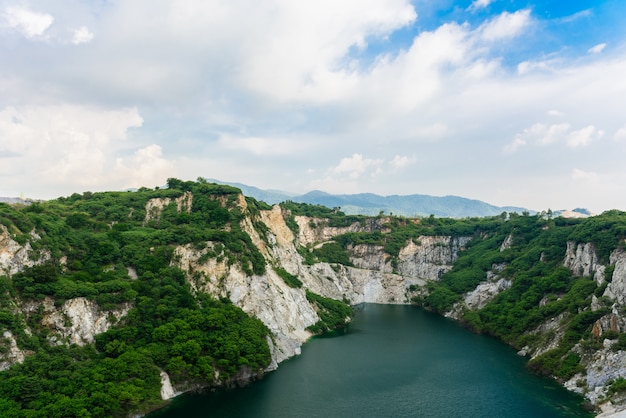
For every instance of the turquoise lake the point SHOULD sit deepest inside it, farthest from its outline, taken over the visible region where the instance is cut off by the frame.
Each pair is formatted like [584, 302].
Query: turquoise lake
[392, 361]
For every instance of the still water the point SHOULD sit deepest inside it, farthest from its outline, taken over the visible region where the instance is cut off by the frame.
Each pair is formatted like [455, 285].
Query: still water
[393, 361]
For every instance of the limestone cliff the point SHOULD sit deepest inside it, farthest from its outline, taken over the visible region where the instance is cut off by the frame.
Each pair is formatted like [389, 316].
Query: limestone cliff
[285, 310]
[14, 257]
[78, 320]
[583, 261]
[13, 354]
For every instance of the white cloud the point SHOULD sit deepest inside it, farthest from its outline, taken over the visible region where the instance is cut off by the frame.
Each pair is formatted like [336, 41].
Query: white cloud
[297, 52]
[70, 145]
[506, 25]
[584, 136]
[516, 144]
[543, 134]
[479, 4]
[583, 176]
[82, 35]
[434, 131]
[263, 146]
[549, 134]
[546, 65]
[147, 167]
[30, 24]
[355, 166]
[270, 89]
[401, 161]
[597, 48]
[620, 134]
[576, 16]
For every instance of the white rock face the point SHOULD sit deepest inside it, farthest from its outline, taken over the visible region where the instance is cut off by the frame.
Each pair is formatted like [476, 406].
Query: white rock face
[610, 322]
[79, 320]
[611, 411]
[314, 230]
[154, 207]
[430, 257]
[507, 243]
[13, 354]
[607, 366]
[167, 391]
[616, 290]
[583, 260]
[15, 257]
[284, 310]
[358, 285]
[485, 292]
[551, 328]
[370, 257]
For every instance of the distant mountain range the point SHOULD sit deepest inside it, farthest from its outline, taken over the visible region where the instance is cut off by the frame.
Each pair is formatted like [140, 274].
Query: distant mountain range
[373, 204]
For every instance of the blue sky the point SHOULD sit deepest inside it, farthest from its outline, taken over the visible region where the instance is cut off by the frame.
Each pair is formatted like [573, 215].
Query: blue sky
[511, 102]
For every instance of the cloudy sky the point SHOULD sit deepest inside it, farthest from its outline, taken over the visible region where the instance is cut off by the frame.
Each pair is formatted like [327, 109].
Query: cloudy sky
[507, 101]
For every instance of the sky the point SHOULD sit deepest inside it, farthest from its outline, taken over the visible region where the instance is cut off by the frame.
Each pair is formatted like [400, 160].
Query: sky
[513, 102]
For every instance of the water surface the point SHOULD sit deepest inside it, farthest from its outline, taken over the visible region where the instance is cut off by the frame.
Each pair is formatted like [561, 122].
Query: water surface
[392, 361]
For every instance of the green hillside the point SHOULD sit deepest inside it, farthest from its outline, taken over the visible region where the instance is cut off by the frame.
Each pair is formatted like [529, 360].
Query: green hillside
[117, 251]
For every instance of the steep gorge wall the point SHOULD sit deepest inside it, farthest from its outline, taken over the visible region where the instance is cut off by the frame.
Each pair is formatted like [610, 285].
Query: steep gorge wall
[285, 310]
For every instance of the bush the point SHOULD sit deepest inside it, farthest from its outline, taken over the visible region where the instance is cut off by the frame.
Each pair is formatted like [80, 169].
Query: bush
[290, 279]
[333, 313]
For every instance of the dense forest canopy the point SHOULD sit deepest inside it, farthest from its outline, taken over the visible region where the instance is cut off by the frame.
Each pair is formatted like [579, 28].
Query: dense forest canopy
[93, 239]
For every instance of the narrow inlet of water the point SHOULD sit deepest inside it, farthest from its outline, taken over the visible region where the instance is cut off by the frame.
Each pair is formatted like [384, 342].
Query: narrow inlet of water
[392, 361]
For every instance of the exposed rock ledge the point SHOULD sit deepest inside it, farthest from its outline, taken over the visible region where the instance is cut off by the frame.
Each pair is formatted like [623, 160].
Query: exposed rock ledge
[78, 320]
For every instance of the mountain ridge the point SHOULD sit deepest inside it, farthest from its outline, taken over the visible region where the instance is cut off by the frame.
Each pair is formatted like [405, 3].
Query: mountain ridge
[373, 204]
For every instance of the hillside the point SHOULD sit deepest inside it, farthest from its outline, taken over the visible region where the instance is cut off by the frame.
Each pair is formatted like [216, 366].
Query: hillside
[373, 204]
[112, 303]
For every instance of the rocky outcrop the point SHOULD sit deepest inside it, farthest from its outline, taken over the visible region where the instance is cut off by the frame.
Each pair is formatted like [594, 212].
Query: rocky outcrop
[12, 353]
[78, 320]
[372, 278]
[167, 391]
[611, 322]
[316, 230]
[358, 285]
[429, 258]
[616, 290]
[14, 257]
[154, 207]
[485, 292]
[583, 260]
[284, 310]
[551, 332]
[607, 366]
[507, 243]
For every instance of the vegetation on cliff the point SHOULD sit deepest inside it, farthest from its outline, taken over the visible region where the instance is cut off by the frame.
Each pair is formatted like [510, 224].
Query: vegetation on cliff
[92, 243]
[117, 249]
[541, 287]
[527, 251]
